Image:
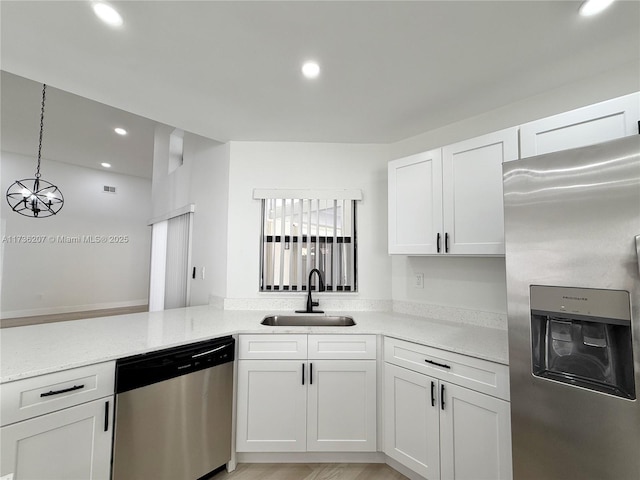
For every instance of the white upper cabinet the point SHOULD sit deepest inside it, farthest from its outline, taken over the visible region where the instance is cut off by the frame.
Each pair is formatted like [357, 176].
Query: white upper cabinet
[589, 125]
[415, 203]
[449, 200]
[472, 193]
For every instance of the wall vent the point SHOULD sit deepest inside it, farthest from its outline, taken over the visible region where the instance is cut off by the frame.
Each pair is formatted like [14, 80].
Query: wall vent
[108, 189]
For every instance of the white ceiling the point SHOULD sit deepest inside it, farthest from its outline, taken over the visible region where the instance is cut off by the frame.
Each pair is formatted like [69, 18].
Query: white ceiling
[76, 130]
[390, 70]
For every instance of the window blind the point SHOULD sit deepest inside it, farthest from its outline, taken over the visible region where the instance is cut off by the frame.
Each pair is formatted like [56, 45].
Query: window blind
[299, 234]
[177, 261]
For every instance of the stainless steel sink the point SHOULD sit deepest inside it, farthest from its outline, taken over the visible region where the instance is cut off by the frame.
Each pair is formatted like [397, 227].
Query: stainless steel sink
[308, 321]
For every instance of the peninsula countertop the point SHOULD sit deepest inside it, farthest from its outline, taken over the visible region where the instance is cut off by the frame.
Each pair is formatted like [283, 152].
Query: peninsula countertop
[39, 349]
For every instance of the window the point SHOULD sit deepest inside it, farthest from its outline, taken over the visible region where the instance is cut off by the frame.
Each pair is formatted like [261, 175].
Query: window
[299, 234]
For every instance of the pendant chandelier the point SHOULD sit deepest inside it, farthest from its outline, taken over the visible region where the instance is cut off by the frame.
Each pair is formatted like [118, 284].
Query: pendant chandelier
[34, 197]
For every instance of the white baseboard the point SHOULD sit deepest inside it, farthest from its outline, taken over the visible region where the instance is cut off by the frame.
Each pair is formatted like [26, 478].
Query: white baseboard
[407, 472]
[311, 457]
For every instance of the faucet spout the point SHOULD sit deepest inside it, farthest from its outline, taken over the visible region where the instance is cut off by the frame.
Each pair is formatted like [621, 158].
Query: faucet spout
[310, 302]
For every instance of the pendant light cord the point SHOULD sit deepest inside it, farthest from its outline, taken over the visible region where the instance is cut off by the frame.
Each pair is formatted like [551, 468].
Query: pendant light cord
[44, 89]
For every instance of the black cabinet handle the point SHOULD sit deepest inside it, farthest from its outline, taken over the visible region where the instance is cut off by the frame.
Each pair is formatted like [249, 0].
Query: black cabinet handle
[311, 374]
[442, 396]
[438, 242]
[303, 373]
[106, 416]
[437, 364]
[446, 243]
[433, 394]
[64, 390]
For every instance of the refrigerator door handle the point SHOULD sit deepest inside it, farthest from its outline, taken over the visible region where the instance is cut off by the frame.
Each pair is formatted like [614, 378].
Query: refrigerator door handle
[638, 251]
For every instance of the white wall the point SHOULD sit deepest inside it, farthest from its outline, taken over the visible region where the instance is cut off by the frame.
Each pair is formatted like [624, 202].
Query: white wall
[480, 283]
[57, 277]
[203, 180]
[220, 180]
[315, 166]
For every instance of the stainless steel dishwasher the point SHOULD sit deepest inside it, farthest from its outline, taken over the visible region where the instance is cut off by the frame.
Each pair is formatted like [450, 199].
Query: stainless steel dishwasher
[173, 412]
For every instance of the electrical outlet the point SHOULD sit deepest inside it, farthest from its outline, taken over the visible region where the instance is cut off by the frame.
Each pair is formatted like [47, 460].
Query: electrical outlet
[419, 280]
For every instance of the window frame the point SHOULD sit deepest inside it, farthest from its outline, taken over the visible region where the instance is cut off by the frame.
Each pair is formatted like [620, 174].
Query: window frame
[343, 270]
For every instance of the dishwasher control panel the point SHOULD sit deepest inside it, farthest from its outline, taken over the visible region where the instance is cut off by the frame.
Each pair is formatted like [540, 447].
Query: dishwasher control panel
[149, 368]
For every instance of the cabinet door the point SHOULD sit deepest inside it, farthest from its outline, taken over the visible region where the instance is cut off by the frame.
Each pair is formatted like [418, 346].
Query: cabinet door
[70, 444]
[415, 203]
[475, 435]
[589, 125]
[411, 416]
[472, 193]
[342, 406]
[272, 399]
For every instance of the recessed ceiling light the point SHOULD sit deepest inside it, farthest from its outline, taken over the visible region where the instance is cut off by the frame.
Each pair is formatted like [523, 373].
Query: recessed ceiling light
[120, 131]
[311, 69]
[593, 7]
[107, 14]
[106, 165]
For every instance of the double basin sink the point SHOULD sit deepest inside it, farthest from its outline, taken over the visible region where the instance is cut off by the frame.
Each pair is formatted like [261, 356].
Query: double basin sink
[308, 321]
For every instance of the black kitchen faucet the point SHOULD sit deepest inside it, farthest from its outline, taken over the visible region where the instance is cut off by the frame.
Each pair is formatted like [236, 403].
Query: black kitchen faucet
[310, 302]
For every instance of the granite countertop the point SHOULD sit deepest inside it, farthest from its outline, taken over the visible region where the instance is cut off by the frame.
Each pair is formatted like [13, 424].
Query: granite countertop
[39, 349]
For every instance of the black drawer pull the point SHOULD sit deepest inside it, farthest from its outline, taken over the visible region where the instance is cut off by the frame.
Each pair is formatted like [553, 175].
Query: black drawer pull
[442, 396]
[106, 416]
[311, 374]
[64, 390]
[446, 243]
[303, 373]
[437, 364]
[433, 394]
[438, 242]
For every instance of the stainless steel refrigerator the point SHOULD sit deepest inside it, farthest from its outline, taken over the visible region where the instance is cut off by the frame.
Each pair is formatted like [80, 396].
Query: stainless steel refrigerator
[572, 221]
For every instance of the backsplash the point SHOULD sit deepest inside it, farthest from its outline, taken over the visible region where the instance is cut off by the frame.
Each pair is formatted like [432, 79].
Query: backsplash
[439, 312]
[452, 314]
[292, 304]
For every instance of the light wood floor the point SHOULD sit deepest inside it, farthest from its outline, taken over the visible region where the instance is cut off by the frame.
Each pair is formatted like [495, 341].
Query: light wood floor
[311, 471]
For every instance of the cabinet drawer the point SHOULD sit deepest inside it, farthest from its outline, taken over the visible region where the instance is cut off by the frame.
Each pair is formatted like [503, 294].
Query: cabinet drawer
[277, 347]
[480, 375]
[342, 347]
[35, 396]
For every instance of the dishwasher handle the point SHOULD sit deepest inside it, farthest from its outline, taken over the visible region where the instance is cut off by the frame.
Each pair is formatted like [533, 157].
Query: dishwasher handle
[208, 352]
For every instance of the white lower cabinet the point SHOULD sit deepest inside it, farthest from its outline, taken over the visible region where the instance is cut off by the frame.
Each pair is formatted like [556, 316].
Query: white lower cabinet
[412, 423]
[272, 410]
[437, 428]
[307, 404]
[71, 444]
[475, 435]
[58, 426]
[341, 406]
